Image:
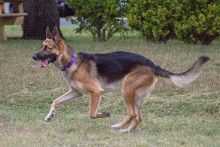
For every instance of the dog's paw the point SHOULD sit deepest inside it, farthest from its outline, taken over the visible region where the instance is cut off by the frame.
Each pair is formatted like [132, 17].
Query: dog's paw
[48, 118]
[106, 114]
[116, 126]
[125, 131]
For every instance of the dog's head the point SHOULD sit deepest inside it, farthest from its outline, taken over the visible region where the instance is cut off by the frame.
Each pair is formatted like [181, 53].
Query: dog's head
[51, 48]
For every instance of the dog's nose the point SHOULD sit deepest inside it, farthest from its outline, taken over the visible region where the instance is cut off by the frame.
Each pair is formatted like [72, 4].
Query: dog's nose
[35, 57]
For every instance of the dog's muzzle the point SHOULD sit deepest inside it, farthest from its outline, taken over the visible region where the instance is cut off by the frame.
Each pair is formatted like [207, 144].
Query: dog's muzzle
[34, 56]
[45, 59]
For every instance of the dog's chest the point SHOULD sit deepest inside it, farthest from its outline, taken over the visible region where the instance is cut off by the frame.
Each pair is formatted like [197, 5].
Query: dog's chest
[107, 87]
[73, 83]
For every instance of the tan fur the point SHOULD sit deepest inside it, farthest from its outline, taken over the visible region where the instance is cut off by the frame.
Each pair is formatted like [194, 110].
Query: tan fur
[189, 76]
[90, 85]
[83, 78]
[134, 88]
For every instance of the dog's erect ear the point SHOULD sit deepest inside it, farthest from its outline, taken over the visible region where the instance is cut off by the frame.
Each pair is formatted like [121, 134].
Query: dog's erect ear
[56, 34]
[48, 33]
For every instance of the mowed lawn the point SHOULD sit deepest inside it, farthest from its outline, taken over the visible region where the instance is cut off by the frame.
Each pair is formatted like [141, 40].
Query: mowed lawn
[172, 117]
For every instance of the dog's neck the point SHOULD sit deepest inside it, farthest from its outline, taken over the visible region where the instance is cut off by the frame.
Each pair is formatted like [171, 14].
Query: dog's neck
[65, 58]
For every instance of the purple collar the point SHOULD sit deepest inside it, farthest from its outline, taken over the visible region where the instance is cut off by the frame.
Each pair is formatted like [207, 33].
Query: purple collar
[67, 66]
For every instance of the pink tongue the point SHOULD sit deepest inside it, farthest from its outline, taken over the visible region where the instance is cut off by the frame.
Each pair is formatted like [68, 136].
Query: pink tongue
[44, 63]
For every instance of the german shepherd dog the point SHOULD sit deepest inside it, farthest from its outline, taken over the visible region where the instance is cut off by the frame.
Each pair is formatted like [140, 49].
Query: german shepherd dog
[95, 74]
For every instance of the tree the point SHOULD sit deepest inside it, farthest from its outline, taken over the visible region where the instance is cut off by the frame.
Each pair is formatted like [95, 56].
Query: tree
[99, 17]
[41, 13]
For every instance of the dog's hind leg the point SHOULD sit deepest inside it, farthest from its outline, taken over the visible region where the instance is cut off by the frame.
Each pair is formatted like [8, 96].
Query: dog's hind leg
[70, 95]
[140, 94]
[129, 98]
[136, 85]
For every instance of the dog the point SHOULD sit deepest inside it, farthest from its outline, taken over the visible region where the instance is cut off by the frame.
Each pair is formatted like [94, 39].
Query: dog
[95, 74]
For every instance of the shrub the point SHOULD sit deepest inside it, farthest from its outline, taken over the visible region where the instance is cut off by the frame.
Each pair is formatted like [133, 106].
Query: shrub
[98, 17]
[153, 18]
[192, 21]
[199, 22]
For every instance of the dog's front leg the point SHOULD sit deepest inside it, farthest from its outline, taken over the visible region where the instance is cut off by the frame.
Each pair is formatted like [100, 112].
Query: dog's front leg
[93, 106]
[70, 95]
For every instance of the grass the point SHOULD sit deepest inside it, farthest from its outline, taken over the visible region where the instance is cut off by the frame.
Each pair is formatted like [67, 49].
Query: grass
[173, 117]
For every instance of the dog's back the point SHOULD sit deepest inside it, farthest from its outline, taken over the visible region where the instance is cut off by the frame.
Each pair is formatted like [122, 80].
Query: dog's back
[114, 66]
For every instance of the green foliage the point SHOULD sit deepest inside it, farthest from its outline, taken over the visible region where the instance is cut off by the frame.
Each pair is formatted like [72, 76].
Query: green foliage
[191, 21]
[154, 18]
[99, 17]
[200, 21]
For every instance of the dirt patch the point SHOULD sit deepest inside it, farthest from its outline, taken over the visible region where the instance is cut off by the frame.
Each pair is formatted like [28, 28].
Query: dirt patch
[11, 128]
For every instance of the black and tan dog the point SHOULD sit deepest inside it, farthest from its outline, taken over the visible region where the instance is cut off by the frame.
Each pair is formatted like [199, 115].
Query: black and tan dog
[95, 74]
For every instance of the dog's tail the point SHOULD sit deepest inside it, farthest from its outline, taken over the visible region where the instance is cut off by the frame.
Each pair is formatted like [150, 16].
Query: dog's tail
[187, 77]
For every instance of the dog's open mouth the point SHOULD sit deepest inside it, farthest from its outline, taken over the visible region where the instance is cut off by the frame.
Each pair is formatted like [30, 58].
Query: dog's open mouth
[44, 63]
[44, 59]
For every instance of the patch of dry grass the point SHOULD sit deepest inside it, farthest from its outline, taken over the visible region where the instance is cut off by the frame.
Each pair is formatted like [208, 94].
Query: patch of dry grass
[173, 117]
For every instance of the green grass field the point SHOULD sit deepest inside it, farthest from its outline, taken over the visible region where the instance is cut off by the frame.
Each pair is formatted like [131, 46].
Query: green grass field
[172, 117]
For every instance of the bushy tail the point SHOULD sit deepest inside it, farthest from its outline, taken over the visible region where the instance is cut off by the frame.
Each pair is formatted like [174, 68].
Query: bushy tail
[185, 78]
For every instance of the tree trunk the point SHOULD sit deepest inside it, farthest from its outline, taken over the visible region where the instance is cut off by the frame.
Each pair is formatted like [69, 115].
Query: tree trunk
[101, 36]
[41, 13]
